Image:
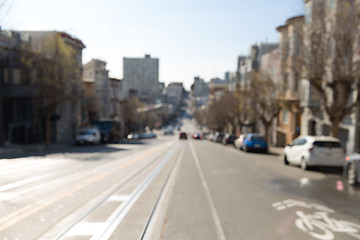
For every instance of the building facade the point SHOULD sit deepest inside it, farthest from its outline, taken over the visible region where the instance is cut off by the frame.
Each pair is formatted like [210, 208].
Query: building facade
[23, 117]
[141, 75]
[97, 89]
[289, 77]
[315, 120]
[175, 94]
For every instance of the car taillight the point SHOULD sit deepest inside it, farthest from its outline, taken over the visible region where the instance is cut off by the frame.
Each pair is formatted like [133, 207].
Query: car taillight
[347, 158]
[311, 148]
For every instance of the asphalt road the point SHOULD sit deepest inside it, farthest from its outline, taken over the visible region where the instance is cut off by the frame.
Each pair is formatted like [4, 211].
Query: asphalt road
[169, 189]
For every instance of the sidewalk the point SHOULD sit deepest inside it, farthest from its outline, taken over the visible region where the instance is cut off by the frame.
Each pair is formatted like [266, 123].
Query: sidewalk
[14, 149]
[276, 150]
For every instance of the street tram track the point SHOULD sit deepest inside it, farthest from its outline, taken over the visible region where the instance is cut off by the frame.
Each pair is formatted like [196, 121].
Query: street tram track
[9, 220]
[112, 192]
[147, 230]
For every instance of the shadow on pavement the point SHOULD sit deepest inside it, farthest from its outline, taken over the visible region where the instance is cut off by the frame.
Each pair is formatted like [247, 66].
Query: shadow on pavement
[42, 151]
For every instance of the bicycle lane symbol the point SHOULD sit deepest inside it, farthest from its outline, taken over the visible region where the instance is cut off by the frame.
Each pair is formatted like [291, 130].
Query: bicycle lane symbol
[319, 224]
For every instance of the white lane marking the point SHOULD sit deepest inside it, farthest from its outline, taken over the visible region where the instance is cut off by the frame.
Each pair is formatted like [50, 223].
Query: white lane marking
[24, 182]
[162, 201]
[118, 198]
[6, 196]
[86, 229]
[118, 215]
[219, 228]
[13, 168]
[318, 224]
[289, 203]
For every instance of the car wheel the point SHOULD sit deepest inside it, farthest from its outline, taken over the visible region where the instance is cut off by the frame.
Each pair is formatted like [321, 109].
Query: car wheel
[303, 164]
[351, 175]
[246, 149]
[286, 162]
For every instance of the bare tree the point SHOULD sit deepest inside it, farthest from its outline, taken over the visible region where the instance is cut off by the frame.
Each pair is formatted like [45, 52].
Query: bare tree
[331, 57]
[56, 79]
[264, 94]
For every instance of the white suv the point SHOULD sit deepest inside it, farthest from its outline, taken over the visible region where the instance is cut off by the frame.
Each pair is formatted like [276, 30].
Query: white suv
[314, 151]
[88, 136]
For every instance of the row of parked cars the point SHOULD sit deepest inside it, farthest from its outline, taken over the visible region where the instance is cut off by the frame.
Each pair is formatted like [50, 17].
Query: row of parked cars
[245, 142]
[304, 151]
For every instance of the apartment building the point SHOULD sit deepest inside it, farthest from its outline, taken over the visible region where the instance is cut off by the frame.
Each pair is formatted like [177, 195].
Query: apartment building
[289, 76]
[97, 89]
[141, 75]
[23, 113]
[175, 94]
[335, 19]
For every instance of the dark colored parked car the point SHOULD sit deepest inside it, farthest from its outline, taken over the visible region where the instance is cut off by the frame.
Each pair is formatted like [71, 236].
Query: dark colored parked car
[110, 130]
[254, 142]
[352, 169]
[218, 137]
[229, 139]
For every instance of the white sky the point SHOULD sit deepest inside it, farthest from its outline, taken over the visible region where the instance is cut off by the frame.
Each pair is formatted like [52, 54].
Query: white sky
[190, 37]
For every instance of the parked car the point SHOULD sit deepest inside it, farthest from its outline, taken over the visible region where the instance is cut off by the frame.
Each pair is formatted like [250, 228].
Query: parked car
[183, 135]
[218, 137]
[168, 131]
[238, 142]
[88, 136]
[133, 136]
[196, 136]
[147, 135]
[110, 130]
[352, 169]
[228, 139]
[254, 142]
[308, 151]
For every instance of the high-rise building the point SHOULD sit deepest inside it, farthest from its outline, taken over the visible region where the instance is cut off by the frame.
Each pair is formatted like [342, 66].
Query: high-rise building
[141, 75]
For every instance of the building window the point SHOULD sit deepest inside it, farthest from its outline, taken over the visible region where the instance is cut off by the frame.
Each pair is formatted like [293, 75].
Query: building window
[286, 82]
[285, 116]
[6, 76]
[296, 82]
[332, 4]
[16, 76]
[308, 13]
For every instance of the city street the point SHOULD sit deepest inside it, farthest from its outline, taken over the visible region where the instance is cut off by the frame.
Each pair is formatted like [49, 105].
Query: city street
[166, 188]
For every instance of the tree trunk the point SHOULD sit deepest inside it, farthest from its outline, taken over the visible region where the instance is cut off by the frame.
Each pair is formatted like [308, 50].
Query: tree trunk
[335, 128]
[47, 130]
[267, 128]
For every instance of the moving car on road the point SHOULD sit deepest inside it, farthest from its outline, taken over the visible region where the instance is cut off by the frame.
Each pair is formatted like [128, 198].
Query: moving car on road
[254, 142]
[88, 136]
[352, 169]
[197, 136]
[314, 151]
[183, 135]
